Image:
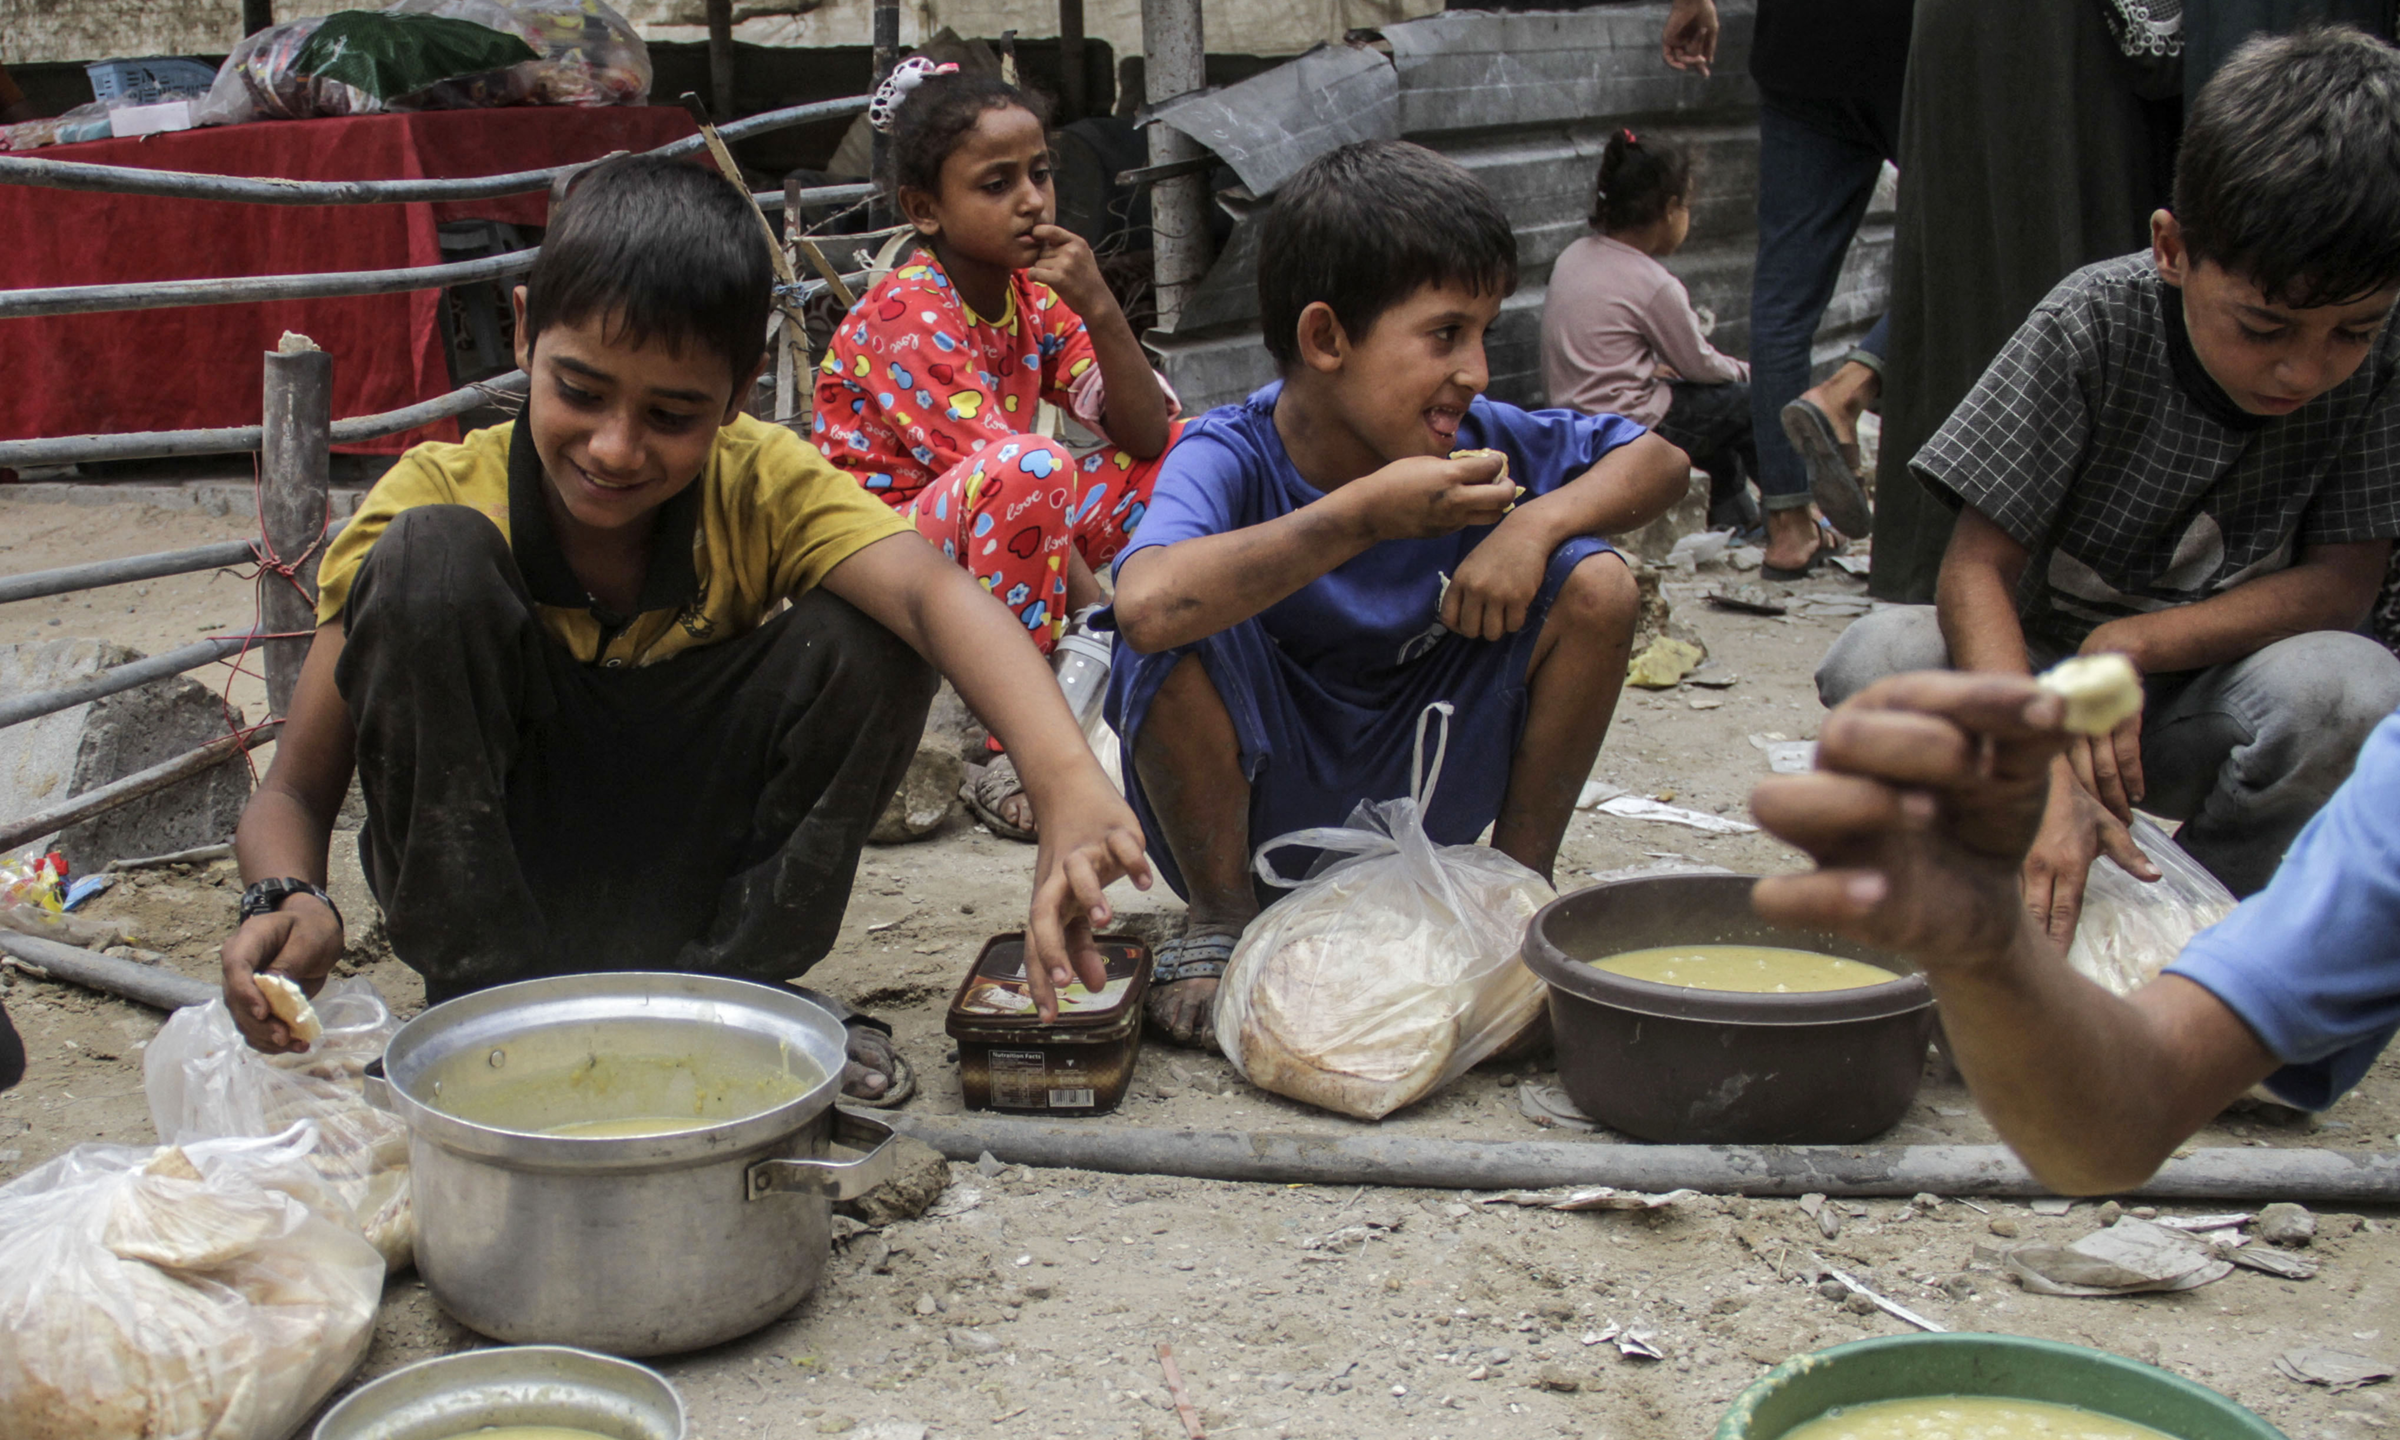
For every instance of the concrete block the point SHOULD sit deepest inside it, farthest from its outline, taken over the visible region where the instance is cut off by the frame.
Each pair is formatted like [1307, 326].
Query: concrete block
[1688, 516]
[46, 761]
[928, 794]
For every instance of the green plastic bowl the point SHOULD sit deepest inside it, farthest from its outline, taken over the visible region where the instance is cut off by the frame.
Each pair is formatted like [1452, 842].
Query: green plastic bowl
[1903, 1367]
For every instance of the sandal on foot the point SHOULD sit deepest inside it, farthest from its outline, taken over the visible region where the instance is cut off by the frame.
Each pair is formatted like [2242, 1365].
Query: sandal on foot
[987, 788]
[1829, 544]
[1832, 463]
[1188, 957]
[901, 1079]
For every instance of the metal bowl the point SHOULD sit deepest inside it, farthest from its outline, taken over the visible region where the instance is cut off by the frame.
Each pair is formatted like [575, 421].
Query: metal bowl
[1672, 1063]
[518, 1385]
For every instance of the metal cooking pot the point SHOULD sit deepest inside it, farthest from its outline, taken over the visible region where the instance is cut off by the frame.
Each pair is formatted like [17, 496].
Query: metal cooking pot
[635, 1245]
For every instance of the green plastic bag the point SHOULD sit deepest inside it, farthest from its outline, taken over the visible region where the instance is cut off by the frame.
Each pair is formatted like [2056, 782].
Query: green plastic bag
[388, 54]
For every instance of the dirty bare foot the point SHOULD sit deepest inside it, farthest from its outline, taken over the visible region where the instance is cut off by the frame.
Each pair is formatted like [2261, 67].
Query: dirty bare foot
[1182, 1007]
[875, 1072]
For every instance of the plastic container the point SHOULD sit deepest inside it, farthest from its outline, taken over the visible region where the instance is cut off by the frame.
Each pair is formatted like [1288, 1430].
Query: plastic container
[1902, 1367]
[1672, 1063]
[149, 79]
[1080, 660]
[1078, 1064]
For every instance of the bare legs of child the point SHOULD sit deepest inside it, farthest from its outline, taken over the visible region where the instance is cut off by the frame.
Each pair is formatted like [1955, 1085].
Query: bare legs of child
[1188, 760]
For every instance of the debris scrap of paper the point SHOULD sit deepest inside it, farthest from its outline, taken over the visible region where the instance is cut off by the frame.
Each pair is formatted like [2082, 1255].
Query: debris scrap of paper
[1637, 807]
[2131, 1257]
[1588, 1197]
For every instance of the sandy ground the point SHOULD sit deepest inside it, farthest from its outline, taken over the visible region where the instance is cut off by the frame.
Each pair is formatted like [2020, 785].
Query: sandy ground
[1031, 1307]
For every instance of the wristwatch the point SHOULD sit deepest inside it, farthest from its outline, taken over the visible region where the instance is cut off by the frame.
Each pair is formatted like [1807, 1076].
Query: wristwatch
[267, 896]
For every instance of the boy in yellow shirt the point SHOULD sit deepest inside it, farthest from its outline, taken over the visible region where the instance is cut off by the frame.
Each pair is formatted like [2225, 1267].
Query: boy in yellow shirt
[590, 734]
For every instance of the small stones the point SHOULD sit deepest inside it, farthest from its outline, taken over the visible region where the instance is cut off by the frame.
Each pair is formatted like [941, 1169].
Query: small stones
[927, 1305]
[1832, 1289]
[2003, 1227]
[2111, 1213]
[974, 1342]
[1858, 1304]
[2284, 1223]
[1553, 1377]
[1037, 1290]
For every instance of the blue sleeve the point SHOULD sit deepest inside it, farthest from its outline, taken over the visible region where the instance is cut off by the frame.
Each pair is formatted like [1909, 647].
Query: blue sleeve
[2312, 963]
[1546, 448]
[1196, 494]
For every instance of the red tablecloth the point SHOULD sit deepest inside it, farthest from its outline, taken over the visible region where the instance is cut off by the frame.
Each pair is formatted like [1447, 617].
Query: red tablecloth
[198, 366]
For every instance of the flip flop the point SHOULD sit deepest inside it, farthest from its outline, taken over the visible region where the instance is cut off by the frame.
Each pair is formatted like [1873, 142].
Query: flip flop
[903, 1075]
[987, 788]
[1189, 957]
[1832, 468]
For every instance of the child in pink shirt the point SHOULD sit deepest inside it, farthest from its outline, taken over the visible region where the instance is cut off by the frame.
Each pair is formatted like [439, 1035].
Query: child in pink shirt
[1619, 335]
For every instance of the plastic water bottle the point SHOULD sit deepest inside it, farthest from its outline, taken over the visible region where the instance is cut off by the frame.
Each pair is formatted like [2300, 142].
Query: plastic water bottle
[1080, 661]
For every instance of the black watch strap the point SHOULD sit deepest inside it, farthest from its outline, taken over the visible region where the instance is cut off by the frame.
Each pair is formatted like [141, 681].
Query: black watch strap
[267, 896]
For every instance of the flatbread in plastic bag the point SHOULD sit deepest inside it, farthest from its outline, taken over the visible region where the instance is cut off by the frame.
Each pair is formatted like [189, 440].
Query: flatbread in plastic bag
[204, 1081]
[1386, 975]
[211, 1291]
[2132, 929]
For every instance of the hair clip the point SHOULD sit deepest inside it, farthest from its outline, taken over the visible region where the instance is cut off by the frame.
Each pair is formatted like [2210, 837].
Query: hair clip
[1630, 137]
[897, 86]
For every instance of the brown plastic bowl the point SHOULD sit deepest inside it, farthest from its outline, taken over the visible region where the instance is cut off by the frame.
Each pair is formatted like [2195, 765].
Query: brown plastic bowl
[1670, 1063]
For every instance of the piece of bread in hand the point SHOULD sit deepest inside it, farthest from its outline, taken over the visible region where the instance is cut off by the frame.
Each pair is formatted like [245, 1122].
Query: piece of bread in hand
[291, 1006]
[2102, 691]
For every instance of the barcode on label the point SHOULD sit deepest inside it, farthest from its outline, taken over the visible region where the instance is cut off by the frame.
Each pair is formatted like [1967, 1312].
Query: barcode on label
[1070, 1099]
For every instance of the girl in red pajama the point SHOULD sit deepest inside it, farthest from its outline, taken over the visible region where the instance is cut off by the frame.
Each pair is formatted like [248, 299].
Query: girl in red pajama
[933, 379]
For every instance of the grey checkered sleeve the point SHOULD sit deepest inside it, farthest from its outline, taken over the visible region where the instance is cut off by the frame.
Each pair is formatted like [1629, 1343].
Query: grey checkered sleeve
[2361, 497]
[2012, 448]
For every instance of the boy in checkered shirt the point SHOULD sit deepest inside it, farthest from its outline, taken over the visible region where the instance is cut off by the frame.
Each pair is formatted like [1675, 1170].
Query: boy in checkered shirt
[2191, 456]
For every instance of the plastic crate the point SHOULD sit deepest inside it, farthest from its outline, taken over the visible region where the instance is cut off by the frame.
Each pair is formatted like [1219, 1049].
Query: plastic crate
[149, 79]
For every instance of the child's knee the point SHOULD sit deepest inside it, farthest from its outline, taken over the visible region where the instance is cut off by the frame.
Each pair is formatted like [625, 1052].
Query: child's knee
[1600, 600]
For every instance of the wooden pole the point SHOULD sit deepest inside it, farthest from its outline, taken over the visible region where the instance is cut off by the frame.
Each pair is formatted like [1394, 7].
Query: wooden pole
[1074, 96]
[295, 464]
[720, 58]
[1174, 63]
[887, 55]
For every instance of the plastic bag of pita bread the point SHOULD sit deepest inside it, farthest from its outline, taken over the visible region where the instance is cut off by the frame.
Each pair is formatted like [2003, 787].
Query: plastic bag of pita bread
[194, 1292]
[204, 1081]
[1391, 970]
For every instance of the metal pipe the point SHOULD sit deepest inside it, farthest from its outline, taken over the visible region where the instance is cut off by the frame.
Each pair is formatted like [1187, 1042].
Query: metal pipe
[149, 444]
[1411, 1162]
[175, 184]
[250, 289]
[1175, 63]
[118, 572]
[296, 470]
[69, 578]
[17, 709]
[124, 791]
[158, 989]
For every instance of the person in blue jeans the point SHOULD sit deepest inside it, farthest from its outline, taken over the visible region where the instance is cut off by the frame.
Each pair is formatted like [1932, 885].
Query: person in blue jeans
[1829, 74]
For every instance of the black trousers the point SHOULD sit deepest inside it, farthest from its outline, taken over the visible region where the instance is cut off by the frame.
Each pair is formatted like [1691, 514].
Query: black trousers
[529, 815]
[1711, 424]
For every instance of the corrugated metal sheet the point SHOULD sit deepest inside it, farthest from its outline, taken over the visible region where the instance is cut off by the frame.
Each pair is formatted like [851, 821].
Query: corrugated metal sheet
[1526, 101]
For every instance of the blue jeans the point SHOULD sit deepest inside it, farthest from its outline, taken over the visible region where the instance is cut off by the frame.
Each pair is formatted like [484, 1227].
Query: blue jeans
[1817, 165]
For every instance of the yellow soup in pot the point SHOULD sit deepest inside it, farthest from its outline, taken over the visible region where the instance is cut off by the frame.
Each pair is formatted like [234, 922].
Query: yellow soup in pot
[1968, 1417]
[530, 1432]
[1751, 969]
[629, 1128]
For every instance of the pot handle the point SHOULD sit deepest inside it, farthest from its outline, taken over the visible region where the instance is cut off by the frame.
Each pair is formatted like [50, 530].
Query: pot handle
[832, 1179]
[378, 1089]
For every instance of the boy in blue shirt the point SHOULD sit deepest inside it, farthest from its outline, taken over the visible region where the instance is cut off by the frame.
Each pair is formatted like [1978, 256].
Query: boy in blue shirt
[1322, 561]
